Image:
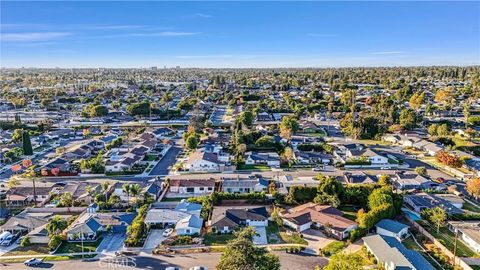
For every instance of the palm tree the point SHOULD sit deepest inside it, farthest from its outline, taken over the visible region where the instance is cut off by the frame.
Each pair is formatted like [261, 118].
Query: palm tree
[105, 186]
[56, 224]
[126, 189]
[135, 190]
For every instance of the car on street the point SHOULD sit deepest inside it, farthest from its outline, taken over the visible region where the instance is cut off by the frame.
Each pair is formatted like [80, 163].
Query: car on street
[316, 169]
[172, 268]
[33, 261]
[167, 232]
[198, 268]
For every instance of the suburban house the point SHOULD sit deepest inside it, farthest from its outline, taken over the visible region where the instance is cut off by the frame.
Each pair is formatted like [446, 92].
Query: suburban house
[79, 191]
[31, 219]
[309, 215]
[421, 201]
[304, 157]
[185, 218]
[391, 254]
[190, 187]
[204, 162]
[225, 220]
[162, 132]
[244, 185]
[468, 231]
[392, 228]
[23, 196]
[88, 226]
[269, 158]
[411, 181]
[359, 178]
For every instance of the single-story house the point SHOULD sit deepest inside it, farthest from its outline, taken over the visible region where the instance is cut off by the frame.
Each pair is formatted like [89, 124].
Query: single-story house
[309, 215]
[244, 185]
[421, 201]
[226, 220]
[268, 158]
[393, 255]
[204, 162]
[392, 228]
[190, 187]
[468, 231]
[88, 225]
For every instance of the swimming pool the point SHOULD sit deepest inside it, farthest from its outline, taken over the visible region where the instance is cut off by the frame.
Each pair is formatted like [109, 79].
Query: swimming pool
[414, 216]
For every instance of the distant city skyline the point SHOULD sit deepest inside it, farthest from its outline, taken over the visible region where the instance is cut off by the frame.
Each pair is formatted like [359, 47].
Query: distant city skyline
[238, 34]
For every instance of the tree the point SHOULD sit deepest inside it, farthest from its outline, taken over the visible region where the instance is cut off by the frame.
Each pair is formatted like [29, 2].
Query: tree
[126, 189]
[344, 261]
[443, 130]
[98, 111]
[383, 180]
[432, 130]
[135, 190]
[192, 142]
[473, 187]
[105, 185]
[380, 197]
[54, 242]
[288, 126]
[448, 159]
[141, 108]
[288, 154]
[436, 215]
[17, 135]
[421, 171]
[66, 199]
[246, 118]
[408, 118]
[56, 225]
[416, 100]
[241, 254]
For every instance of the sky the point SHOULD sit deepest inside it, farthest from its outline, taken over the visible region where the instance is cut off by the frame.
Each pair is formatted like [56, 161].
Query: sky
[238, 34]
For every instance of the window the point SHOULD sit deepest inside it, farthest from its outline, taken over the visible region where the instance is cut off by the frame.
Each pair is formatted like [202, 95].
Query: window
[190, 189]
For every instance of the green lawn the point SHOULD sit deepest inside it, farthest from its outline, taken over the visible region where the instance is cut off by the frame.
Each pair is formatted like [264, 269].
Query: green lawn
[332, 248]
[348, 211]
[292, 238]
[150, 157]
[410, 244]
[447, 238]
[33, 249]
[213, 239]
[253, 167]
[68, 247]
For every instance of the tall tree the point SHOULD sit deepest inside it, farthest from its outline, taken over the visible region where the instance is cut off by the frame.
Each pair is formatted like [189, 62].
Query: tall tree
[242, 254]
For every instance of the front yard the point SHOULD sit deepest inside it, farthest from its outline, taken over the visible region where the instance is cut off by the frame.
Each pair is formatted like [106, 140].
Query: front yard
[214, 239]
[256, 167]
[33, 249]
[276, 235]
[76, 247]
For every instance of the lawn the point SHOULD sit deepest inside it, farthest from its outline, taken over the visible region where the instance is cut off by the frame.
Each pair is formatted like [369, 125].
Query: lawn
[470, 207]
[33, 249]
[213, 239]
[332, 248]
[253, 167]
[150, 157]
[348, 211]
[410, 244]
[292, 238]
[68, 247]
[447, 238]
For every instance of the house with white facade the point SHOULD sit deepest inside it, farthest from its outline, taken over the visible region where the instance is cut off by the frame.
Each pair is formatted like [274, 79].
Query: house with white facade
[268, 158]
[204, 162]
[184, 188]
[392, 228]
[225, 220]
[468, 232]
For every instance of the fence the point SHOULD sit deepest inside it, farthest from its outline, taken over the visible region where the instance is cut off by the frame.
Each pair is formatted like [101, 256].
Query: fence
[458, 260]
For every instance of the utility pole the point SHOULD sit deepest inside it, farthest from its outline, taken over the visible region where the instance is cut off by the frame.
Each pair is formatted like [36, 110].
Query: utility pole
[455, 249]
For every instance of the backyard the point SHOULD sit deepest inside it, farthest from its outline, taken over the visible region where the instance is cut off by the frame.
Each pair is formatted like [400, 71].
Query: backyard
[276, 235]
[348, 211]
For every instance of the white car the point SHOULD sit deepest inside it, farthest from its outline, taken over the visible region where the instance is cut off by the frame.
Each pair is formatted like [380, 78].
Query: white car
[167, 232]
[316, 169]
[198, 268]
[172, 268]
[33, 261]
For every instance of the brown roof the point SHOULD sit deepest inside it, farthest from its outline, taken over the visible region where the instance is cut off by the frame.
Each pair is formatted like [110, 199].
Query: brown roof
[192, 183]
[203, 156]
[322, 214]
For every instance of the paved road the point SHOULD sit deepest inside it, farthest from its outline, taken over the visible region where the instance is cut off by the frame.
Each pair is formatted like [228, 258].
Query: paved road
[210, 260]
[163, 167]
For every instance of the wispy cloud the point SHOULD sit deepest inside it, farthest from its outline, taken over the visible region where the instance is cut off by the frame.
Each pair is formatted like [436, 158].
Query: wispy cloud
[202, 15]
[114, 27]
[165, 34]
[320, 35]
[32, 36]
[388, 52]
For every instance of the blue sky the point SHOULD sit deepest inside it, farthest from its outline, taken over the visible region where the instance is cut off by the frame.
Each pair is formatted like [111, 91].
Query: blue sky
[239, 34]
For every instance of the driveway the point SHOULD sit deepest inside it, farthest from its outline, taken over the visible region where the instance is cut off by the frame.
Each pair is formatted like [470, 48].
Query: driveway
[5, 249]
[154, 238]
[111, 243]
[316, 240]
[261, 237]
[163, 166]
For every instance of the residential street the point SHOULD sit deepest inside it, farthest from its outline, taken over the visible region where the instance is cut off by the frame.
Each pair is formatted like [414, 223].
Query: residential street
[210, 260]
[163, 167]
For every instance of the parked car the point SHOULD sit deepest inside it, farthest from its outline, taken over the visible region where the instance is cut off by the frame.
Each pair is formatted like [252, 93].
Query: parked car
[316, 169]
[198, 268]
[439, 180]
[172, 268]
[33, 261]
[167, 232]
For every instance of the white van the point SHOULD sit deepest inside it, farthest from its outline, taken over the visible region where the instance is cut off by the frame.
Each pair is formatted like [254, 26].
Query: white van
[5, 237]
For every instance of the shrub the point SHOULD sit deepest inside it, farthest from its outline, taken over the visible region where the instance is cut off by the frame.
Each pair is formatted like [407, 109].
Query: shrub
[25, 241]
[54, 242]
